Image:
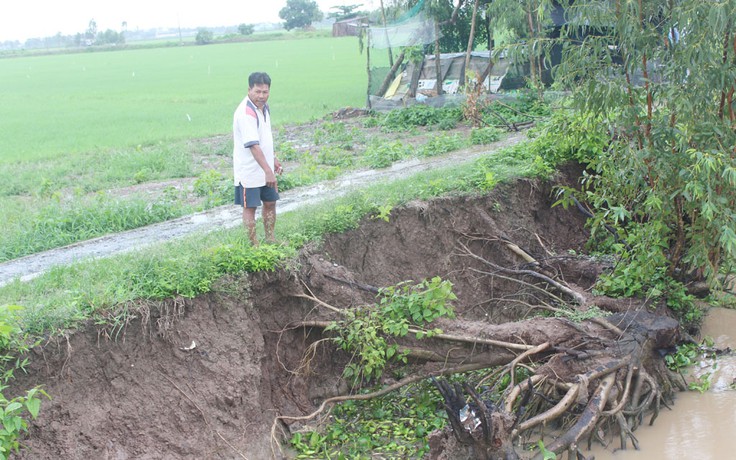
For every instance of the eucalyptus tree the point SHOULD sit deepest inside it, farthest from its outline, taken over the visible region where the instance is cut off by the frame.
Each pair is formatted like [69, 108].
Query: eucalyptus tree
[656, 79]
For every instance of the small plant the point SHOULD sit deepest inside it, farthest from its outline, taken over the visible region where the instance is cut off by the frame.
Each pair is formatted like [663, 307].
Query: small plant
[546, 454]
[441, 143]
[480, 136]
[381, 155]
[393, 426]
[334, 156]
[702, 384]
[335, 133]
[366, 331]
[287, 152]
[384, 212]
[685, 356]
[207, 183]
[421, 115]
[13, 342]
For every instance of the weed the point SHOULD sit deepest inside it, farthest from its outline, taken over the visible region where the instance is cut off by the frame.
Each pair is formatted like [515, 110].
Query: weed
[441, 143]
[394, 426]
[546, 454]
[287, 152]
[486, 135]
[688, 354]
[702, 384]
[384, 212]
[402, 307]
[421, 115]
[335, 156]
[14, 342]
[336, 133]
[383, 155]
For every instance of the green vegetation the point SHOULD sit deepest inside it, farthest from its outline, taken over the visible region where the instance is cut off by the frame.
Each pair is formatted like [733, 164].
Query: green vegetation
[112, 101]
[657, 142]
[401, 309]
[65, 296]
[14, 342]
[666, 183]
[396, 425]
[689, 355]
[49, 203]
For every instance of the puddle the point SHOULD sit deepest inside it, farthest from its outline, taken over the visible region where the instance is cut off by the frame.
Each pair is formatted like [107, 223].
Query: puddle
[701, 426]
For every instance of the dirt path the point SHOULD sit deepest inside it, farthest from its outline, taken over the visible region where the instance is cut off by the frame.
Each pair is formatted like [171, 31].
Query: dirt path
[228, 216]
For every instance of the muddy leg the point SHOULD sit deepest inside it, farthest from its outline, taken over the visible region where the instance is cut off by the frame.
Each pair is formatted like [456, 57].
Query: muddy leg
[269, 220]
[249, 222]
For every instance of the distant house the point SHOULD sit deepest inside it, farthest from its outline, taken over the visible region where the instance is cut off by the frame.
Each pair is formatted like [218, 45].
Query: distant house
[349, 27]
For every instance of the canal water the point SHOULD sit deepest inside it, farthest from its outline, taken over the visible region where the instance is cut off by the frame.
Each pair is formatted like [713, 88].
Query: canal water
[700, 426]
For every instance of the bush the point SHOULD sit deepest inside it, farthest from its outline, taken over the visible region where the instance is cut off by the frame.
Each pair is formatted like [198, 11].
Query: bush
[479, 136]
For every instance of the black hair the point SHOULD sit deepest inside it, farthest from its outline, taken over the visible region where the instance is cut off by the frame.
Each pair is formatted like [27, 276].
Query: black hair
[259, 78]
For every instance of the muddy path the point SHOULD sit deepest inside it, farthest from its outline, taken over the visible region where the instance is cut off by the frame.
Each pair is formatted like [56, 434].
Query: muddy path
[228, 216]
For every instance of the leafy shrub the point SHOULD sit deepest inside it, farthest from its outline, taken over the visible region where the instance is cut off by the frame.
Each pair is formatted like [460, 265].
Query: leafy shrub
[382, 155]
[237, 258]
[336, 133]
[393, 426]
[208, 183]
[441, 143]
[480, 136]
[364, 332]
[421, 115]
[334, 156]
[286, 152]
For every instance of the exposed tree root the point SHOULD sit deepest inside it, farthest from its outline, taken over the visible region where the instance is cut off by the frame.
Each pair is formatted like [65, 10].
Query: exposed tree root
[581, 373]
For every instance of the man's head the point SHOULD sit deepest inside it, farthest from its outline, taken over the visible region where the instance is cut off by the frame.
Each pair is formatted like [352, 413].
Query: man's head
[259, 88]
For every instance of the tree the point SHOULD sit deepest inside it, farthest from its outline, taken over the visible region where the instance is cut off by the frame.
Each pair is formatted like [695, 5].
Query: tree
[91, 30]
[110, 37]
[657, 79]
[300, 14]
[245, 29]
[344, 12]
[204, 36]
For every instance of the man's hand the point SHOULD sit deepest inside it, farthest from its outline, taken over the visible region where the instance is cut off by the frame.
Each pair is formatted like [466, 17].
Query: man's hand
[271, 180]
[278, 169]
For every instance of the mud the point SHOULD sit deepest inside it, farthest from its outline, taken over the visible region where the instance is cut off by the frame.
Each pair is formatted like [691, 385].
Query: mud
[204, 378]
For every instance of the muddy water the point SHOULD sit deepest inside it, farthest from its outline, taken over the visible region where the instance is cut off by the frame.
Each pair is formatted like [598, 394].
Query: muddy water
[700, 426]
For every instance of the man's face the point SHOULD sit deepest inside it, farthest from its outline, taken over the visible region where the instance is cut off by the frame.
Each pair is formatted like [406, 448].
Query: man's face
[258, 94]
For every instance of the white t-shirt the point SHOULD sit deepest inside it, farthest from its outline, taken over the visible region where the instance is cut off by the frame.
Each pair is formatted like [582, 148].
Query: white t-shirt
[251, 126]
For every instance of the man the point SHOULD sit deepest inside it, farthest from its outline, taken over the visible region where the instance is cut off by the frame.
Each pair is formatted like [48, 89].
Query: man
[254, 163]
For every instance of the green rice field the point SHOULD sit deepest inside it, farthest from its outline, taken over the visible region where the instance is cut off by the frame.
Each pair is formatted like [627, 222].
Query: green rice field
[65, 105]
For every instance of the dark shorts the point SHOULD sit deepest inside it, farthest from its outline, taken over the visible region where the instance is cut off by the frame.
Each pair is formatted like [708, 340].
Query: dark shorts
[254, 196]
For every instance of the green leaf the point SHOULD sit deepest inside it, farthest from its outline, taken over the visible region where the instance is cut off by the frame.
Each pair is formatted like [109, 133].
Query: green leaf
[34, 406]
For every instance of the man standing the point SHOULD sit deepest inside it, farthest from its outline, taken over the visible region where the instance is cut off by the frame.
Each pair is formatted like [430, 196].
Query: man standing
[254, 164]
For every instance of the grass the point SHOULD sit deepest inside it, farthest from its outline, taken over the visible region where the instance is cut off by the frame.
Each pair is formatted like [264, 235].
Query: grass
[74, 104]
[51, 203]
[67, 296]
[119, 119]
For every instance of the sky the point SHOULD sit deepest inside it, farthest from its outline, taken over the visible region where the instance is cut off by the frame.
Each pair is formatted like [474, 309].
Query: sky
[20, 20]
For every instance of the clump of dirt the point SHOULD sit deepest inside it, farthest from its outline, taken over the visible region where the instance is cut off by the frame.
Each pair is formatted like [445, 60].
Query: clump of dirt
[206, 377]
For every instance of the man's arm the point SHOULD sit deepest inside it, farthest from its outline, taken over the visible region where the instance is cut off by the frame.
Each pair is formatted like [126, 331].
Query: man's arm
[260, 158]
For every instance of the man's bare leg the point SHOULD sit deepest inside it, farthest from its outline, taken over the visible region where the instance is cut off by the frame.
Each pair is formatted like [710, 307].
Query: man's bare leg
[269, 220]
[249, 221]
